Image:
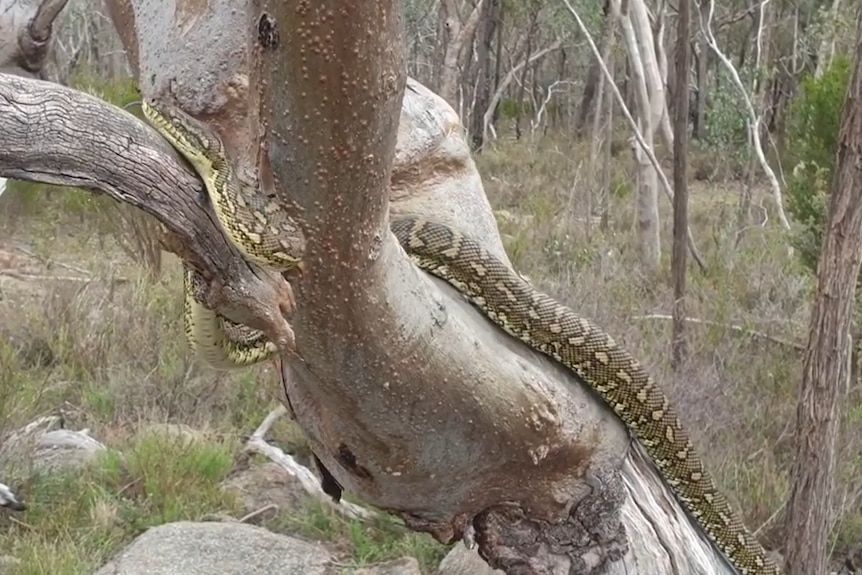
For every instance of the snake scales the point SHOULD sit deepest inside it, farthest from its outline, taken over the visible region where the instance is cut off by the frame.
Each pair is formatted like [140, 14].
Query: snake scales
[252, 223]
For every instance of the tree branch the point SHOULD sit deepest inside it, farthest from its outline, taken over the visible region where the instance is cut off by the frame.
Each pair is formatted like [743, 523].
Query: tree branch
[56, 135]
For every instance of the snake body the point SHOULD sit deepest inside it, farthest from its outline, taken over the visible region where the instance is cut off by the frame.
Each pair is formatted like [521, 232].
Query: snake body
[255, 224]
[523, 312]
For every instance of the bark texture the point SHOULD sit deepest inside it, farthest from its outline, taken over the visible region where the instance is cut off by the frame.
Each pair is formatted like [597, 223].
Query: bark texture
[25, 38]
[680, 182]
[409, 397]
[825, 377]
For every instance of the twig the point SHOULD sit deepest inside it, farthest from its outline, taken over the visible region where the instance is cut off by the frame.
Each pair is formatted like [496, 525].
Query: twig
[256, 513]
[38, 277]
[309, 481]
[27, 252]
[731, 327]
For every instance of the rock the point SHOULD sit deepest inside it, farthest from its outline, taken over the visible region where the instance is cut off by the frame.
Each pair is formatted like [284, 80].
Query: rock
[45, 446]
[463, 561]
[403, 566]
[225, 548]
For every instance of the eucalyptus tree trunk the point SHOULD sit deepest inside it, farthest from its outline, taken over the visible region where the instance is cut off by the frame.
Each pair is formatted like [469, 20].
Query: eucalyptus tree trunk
[649, 112]
[490, 19]
[408, 395]
[826, 371]
[457, 47]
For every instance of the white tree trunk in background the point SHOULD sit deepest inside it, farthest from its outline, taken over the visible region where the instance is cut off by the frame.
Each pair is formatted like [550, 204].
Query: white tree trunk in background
[637, 36]
[654, 61]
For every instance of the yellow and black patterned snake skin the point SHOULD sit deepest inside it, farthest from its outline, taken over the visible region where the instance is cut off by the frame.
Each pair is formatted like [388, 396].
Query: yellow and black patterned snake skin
[514, 305]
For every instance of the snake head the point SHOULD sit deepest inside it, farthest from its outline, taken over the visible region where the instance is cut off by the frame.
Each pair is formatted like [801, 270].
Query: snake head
[185, 133]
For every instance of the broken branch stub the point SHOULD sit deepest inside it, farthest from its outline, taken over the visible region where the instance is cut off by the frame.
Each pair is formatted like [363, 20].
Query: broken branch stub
[25, 34]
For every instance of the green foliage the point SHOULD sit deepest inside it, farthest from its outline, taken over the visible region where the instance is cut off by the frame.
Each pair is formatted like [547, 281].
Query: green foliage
[726, 120]
[812, 134]
[510, 108]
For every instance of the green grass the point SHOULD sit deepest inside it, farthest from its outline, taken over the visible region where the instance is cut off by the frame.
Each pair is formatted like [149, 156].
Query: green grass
[77, 520]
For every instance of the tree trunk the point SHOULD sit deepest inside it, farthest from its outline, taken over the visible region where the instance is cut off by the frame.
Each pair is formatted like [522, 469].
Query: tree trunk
[680, 182]
[602, 124]
[408, 395]
[826, 368]
[487, 31]
[458, 38]
[535, 6]
[650, 47]
[701, 57]
[647, 214]
[588, 108]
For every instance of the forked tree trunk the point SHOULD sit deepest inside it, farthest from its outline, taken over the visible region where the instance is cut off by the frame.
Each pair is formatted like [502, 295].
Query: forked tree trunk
[411, 398]
[826, 372]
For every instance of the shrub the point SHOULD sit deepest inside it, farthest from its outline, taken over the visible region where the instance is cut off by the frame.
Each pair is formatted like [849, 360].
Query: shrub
[812, 135]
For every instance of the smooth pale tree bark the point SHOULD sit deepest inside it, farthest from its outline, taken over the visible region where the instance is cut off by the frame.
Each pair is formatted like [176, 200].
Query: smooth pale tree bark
[410, 398]
[648, 116]
[826, 373]
[654, 63]
[638, 137]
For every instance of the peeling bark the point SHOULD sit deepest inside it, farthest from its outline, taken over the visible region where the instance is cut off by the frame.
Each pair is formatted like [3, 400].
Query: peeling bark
[408, 395]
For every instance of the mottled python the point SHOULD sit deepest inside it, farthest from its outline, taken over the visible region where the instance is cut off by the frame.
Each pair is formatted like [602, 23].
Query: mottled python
[252, 223]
